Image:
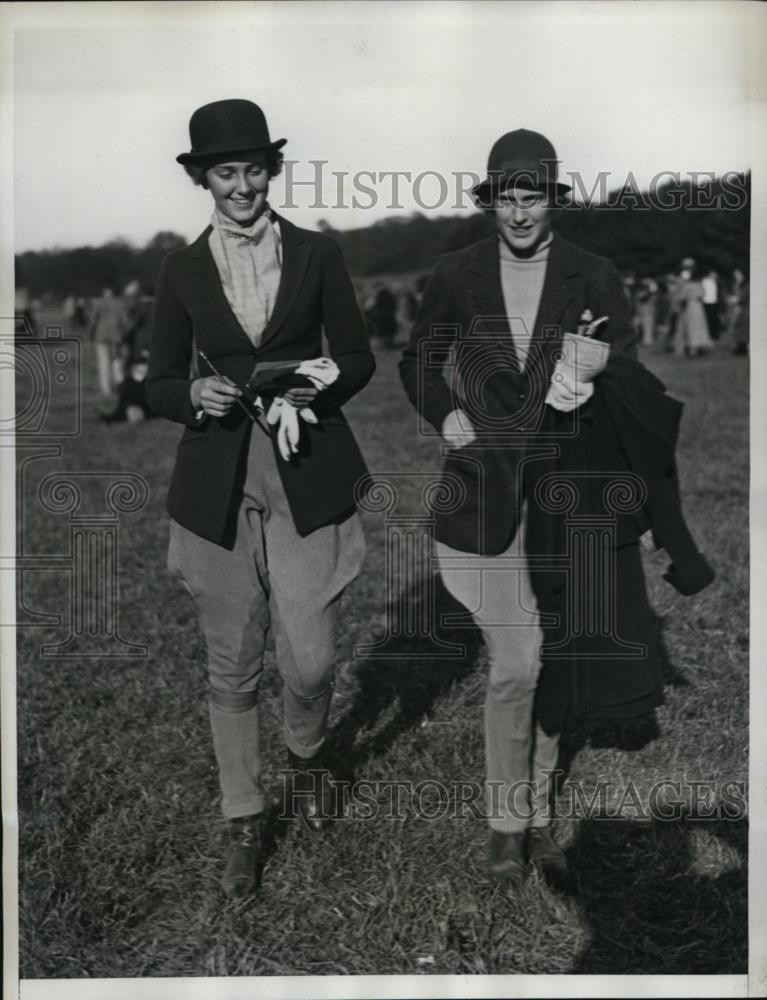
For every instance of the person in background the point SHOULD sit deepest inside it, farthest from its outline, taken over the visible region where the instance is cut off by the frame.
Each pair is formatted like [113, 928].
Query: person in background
[107, 330]
[645, 302]
[409, 305]
[736, 301]
[137, 324]
[693, 328]
[710, 282]
[369, 310]
[630, 286]
[385, 310]
[131, 402]
[24, 324]
[69, 309]
[663, 312]
[677, 284]
[738, 313]
[81, 312]
[673, 286]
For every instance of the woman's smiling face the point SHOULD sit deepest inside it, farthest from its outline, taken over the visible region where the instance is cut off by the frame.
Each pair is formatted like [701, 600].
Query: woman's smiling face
[240, 188]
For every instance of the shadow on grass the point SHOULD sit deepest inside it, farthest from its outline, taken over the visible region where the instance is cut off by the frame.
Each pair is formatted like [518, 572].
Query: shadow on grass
[414, 666]
[662, 897]
[415, 671]
[403, 683]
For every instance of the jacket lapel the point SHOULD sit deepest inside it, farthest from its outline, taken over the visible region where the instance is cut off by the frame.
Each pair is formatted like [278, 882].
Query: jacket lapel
[483, 286]
[484, 283]
[295, 257]
[559, 289]
[205, 270]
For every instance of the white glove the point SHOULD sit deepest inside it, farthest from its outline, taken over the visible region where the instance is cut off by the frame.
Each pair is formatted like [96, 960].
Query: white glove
[647, 541]
[289, 431]
[457, 430]
[321, 372]
[566, 393]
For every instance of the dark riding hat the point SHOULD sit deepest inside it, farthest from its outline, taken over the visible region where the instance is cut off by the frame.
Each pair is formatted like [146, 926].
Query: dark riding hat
[520, 159]
[224, 128]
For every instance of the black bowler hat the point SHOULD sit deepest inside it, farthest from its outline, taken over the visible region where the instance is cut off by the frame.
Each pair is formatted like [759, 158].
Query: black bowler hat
[521, 159]
[226, 127]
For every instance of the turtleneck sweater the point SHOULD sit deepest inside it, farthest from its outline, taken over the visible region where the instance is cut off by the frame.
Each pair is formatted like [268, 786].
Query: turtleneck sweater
[522, 283]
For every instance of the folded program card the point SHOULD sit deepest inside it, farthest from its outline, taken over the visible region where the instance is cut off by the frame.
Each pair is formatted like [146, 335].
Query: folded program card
[584, 356]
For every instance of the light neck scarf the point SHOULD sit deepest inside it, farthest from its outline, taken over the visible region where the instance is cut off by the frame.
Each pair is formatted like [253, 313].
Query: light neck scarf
[249, 264]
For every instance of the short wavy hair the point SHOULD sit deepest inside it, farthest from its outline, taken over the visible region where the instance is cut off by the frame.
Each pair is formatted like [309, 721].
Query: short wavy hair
[197, 171]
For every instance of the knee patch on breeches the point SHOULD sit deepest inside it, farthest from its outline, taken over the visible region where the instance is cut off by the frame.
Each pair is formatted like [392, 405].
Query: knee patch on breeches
[512, 687]
[312, 694]
[233, 702]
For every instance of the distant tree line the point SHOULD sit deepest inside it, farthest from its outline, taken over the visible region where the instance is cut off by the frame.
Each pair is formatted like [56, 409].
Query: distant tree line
[711, 223]
[88, 270]
[631, 228]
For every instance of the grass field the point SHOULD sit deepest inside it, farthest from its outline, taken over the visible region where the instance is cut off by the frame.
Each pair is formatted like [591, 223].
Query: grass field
[120, 834]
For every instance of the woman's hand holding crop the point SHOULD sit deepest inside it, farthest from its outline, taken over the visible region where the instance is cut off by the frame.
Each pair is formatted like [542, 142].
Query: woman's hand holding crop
[214, 396]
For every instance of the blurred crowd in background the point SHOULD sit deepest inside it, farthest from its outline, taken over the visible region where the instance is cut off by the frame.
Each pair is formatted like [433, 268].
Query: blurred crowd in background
[118, 326]
[685, 273]
[689, 312]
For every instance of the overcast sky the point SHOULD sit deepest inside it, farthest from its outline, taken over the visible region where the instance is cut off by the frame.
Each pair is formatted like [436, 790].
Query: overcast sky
[103, 96]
